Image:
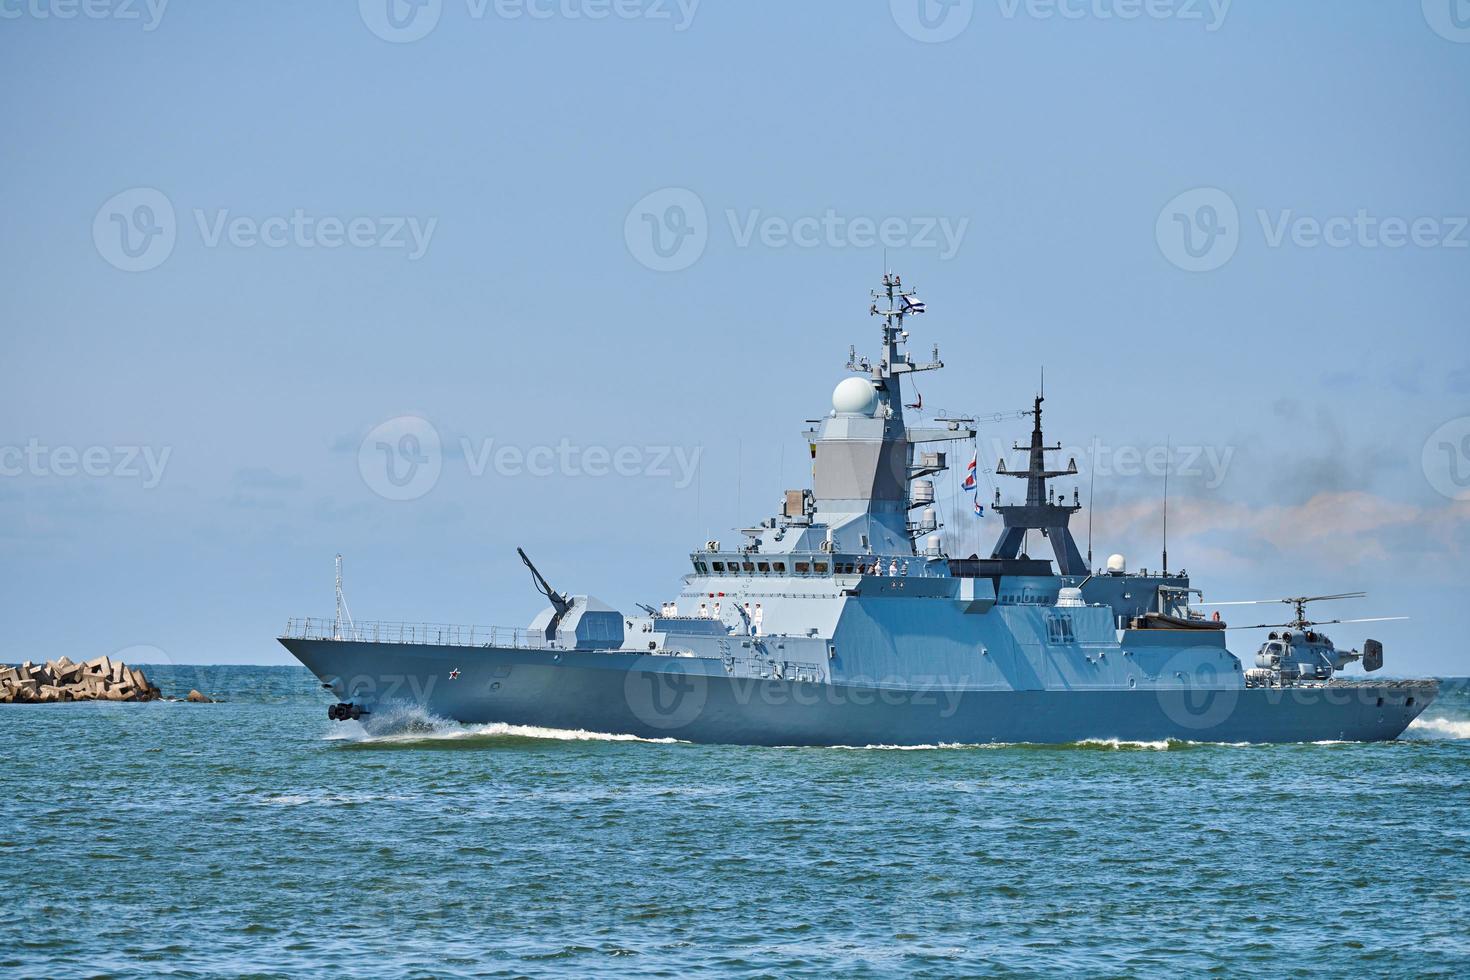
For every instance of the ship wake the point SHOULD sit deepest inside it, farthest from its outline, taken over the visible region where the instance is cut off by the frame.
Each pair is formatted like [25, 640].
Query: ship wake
[1423, 729]
[410, 724]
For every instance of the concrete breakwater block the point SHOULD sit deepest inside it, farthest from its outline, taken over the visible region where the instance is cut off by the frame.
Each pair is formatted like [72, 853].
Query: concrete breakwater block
[61, 680]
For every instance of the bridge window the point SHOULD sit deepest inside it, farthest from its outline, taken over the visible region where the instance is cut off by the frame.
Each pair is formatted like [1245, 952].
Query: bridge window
[821, 567]
[749, 566]
[764, 566]
[719, 566]
[780, 567]
[803, 568]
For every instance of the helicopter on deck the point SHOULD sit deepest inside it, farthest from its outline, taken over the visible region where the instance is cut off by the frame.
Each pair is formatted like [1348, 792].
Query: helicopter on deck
[1300, 652]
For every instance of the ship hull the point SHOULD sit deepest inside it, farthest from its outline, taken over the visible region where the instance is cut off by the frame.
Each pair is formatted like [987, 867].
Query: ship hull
[694, 699]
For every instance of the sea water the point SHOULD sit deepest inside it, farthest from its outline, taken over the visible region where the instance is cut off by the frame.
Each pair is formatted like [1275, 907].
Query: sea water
[254, 836]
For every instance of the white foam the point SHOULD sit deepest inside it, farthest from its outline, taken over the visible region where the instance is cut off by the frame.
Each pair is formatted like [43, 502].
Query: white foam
[1108, 743]
[1115, 743]
[1438, 728]
[926, 748]
[414, 724]
[558, 734]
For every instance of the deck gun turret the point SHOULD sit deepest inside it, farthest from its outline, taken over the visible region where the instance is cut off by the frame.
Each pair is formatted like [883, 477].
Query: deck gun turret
[561, 604]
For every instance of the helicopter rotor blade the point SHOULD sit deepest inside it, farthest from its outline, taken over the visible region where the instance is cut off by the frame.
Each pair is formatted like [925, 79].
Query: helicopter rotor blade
[1321, 598]
[1290, 601]
[1321, 622]
[1370, 619]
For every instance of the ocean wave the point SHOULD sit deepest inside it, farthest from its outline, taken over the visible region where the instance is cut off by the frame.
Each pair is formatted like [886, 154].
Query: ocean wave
[322, 799]
[406, 724]
[1436, 729]
[1086, 744]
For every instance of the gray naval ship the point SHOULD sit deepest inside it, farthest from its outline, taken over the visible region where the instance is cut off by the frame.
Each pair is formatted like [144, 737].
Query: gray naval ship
[841, 620]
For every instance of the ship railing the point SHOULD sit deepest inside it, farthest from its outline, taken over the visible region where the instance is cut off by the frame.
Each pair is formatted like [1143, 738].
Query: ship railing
[417, 634]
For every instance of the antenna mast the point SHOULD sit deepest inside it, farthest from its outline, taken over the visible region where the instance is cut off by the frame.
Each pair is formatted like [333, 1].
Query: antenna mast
[1091, 492]
[342, 611]
[1168, 455]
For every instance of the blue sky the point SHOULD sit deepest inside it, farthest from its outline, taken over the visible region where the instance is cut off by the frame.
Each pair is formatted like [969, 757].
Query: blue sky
[1238, 229]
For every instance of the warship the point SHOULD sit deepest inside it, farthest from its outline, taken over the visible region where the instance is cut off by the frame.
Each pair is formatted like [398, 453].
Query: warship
[843, 620]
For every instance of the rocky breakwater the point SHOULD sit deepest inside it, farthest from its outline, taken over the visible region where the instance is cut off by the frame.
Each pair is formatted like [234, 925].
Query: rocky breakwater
[59, 680]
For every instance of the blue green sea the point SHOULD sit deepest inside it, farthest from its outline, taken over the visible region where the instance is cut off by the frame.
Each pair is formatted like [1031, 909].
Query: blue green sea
[255, 837]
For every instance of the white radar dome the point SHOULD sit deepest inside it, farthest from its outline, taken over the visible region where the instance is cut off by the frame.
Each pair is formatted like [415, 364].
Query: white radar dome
[1117, 564]
[854, 396]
